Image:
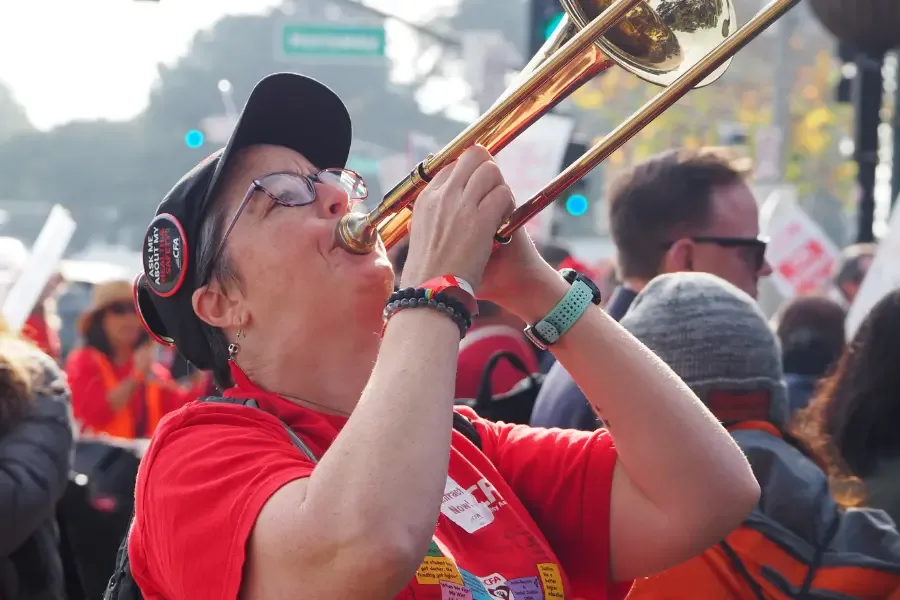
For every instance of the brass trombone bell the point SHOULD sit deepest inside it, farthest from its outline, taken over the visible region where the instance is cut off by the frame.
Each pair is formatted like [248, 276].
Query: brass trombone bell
[681, 44]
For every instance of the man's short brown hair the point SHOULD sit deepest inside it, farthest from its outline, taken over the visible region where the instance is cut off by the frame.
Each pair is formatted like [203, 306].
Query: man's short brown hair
[667, 196]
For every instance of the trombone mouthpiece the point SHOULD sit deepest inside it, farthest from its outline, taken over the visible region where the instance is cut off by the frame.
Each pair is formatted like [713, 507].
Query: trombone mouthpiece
[355, 234]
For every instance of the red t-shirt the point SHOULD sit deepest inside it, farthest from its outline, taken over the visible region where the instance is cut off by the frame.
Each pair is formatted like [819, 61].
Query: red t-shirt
[542, 497]
[89, 403]
[477, 348]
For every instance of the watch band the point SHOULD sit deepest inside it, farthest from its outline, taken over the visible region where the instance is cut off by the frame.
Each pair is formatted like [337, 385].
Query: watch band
[566, 313]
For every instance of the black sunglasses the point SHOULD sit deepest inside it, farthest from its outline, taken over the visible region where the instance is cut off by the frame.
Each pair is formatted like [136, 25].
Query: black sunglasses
[756, 246]
[294, 189]
[121, 308]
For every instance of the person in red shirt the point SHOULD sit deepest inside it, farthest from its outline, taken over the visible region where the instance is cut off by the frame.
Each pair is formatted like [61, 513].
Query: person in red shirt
[118, 388]
[38, 329]
[242, 273]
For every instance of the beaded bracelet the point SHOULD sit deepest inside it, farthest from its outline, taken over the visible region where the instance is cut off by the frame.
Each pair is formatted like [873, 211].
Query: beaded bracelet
[428, 294]
[422, 298]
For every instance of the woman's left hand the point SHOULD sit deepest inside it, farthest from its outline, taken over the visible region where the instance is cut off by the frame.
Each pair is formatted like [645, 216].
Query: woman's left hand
[512, 272]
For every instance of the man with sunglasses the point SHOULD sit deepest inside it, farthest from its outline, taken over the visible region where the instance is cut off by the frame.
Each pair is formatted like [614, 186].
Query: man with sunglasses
[683, 210]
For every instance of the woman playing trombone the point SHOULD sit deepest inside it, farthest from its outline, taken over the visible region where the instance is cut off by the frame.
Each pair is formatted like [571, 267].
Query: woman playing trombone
[376, 491]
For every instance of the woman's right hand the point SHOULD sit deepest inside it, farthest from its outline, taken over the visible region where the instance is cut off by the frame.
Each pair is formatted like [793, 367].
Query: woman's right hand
[455, 219]
[143, 358]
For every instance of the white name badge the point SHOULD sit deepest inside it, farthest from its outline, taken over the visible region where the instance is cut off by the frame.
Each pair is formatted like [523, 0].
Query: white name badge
[460, 506]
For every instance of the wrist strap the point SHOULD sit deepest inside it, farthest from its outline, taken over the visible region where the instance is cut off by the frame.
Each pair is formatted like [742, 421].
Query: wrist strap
[571, 307]
[566, 313]
[457, 287]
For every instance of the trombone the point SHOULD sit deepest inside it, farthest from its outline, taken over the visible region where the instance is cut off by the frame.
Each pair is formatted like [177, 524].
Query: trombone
[678, 44]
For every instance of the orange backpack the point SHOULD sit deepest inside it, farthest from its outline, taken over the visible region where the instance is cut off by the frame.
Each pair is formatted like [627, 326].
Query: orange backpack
[797, 543]
[749, 566]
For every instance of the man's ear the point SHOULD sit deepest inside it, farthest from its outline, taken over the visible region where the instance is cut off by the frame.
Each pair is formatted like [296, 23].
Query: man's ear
[680, 257]
[217, 308]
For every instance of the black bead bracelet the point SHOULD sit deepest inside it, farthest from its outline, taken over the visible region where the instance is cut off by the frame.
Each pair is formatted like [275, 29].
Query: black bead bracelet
[421, 298]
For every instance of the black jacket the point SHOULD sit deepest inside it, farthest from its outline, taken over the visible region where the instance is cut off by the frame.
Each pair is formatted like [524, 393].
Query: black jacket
[34, 470]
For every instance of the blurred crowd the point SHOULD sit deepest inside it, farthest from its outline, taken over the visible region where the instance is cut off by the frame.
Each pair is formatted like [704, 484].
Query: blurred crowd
[814, 413]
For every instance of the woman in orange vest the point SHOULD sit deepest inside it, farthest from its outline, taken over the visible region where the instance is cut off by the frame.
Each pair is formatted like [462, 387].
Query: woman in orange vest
[118, 387]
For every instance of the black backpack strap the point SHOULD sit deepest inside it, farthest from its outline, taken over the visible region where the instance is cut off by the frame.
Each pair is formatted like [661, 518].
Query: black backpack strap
[485, 390]
[467, 428]
[122, 585]
[298, 443]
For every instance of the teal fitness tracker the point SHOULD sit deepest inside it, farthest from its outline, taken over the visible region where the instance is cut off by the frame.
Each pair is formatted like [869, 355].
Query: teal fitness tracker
[566, 313]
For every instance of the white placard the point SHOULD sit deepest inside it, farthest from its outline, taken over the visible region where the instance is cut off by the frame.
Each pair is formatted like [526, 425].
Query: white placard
[802, 257]
[43, 263]
[533, 159]
[882, 278]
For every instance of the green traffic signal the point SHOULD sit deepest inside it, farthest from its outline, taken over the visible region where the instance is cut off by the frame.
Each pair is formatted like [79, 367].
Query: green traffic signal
[577, 205]
[194, 138]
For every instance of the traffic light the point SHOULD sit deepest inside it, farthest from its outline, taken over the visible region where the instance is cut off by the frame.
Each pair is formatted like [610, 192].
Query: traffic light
[194, 138]
[545, 17]
[574, 214]
[575, 199]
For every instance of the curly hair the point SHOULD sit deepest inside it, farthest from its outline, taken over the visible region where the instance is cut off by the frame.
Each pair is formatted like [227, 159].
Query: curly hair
[18, 376]
[851, 422]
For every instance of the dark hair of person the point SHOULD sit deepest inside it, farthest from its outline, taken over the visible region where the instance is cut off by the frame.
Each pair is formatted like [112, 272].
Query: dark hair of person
[851, 267]
[666, 197]
[95, 335]
[811, 331]
[851, 422]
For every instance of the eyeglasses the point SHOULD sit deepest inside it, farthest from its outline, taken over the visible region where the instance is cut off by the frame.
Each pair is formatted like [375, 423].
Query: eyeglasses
[293, 189]
[756, 247]
[121, 308]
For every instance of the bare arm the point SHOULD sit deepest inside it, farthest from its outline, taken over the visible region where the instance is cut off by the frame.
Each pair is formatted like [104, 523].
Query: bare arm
[360, 525]
[680, 478]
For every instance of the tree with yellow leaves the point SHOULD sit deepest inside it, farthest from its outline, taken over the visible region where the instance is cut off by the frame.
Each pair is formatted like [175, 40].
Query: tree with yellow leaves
[742, 96]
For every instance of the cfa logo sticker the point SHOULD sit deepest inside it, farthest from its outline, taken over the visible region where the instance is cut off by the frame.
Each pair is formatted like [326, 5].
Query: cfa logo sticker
[165, 255]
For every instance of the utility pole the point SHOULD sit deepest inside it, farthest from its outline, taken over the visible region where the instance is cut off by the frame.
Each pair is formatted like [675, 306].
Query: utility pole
[868, 95]
[772, 144]
[782, 120]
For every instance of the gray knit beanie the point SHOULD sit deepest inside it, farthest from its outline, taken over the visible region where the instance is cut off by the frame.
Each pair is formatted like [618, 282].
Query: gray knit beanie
[712, 335]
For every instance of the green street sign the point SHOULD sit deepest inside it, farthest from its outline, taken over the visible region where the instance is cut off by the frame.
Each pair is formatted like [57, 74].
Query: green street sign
[331, 40]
